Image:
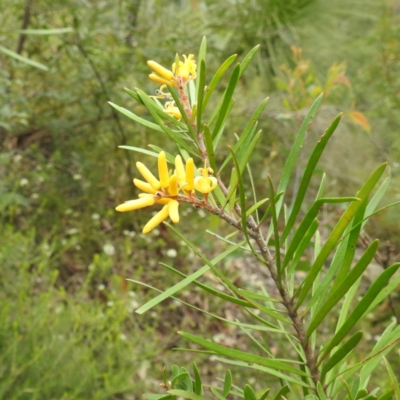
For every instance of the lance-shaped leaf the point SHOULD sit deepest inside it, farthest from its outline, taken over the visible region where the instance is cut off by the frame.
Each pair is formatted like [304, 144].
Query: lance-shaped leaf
[248, 393]
[308, 220]
[217, 77]
[248, 131]
[185, 394]
[189, 279]
[216, 293]
[248, 58]
[274, 222]
[343, 288]
[136, 118]
[209, 147]
[201, 78]
[295, 151]
[283, 391]
[305, 180]
[222, 112]
[23, 59]
[182, 110]
[342, 352]
[337, 232]
[359, 310]
[227, 383]
[151, 106]
[241, 355]
[197, 384]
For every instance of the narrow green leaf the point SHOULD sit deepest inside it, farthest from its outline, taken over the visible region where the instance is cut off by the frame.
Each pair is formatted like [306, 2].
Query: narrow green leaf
[249, 393]
[185, 394]
[343, 288]
[359, 310]
[249, 128]
[56, 31]
[244, 156]
[265, 394]
[302, 246]
[151, 106]
[201, 78]
[321, 393]
[342, 352]
[226, 100]
[256, 206]
[133, 116]
[274, 223]
[188, 122]
[179, 378]
[140, 150]
[295, 151]
[362, 393]
[216, 293]
[307, 221]
[197, 385]
[189, 279]
[151, 396]
[217, 394]
[241, 355]
[248, 58]
[393, 379]
[209, 147]
[227, 383]
[337, 232]
[351, 247]
[283, 391]
[267, 371]
[217, 77]
[23, 59]
[306, 179]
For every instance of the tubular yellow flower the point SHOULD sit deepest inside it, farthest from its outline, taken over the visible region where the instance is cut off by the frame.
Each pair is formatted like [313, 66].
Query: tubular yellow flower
[172, 110]
[150, 178]
[173, 206]
[157, 79]
[205, 184]
[163, 200]
[163, 170]
[160, 70]
[173, 185]
[186, 69]
[144, 186]
[189, 175]
[145, 201]
[157, 219]
[180, 170]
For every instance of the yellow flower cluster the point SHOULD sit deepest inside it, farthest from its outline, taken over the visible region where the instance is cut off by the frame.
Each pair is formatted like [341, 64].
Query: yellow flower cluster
[165, 189]
[184, 71]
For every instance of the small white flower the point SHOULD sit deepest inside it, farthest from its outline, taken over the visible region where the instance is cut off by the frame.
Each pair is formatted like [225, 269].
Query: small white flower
[77, 177]
[34, 196]
[156, 232]
[109, 249]
[68, 211]
[78, 247]
[23, 182]
[122, 336]
[171, 253]
[17, 158]
[95, 217]
[110, 303]
[90, 267]
[72, 231]
[101, 287]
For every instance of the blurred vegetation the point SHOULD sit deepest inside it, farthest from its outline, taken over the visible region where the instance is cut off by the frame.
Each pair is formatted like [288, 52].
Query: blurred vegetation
[68, 329]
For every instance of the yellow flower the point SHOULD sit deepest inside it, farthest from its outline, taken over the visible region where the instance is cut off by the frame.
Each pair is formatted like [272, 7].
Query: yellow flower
[163, 170]
[145, 201]
[184, 72]
[187, 69]
[189, 176]
[171, 109]
[160, 191]
[205, 184]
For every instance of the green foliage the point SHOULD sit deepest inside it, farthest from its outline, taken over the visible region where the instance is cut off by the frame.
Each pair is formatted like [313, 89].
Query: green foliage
[276, 244]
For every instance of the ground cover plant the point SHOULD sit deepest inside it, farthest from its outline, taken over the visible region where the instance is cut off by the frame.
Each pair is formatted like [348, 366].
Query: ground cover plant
[311, 318]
